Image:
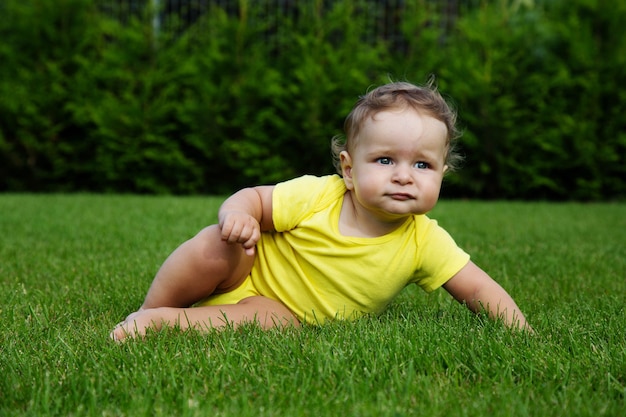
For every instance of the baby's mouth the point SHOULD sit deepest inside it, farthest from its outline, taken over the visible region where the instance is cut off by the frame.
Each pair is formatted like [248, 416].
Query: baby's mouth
[401, 196]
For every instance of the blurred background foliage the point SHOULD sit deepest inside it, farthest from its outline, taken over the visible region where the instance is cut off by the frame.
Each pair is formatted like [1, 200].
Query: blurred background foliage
[210, 96]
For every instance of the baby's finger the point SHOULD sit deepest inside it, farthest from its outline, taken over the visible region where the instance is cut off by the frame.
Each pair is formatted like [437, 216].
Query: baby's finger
[234, 232]
[253, 238]
[227, 228]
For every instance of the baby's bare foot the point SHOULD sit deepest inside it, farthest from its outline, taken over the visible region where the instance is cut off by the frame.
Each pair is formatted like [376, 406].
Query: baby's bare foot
[134, 326]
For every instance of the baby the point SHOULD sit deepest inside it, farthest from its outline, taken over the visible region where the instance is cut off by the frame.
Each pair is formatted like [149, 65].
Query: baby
[313, 249]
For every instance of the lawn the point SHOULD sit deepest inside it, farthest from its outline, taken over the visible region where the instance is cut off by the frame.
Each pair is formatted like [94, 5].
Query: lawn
[72, 266]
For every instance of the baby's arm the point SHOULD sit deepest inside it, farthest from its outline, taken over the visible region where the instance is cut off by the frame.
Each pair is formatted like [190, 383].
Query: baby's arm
[245, 214]
[473, 287]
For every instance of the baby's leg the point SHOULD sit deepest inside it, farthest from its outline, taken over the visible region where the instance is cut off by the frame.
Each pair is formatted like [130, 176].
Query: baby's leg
[201, 266]
[265, 312]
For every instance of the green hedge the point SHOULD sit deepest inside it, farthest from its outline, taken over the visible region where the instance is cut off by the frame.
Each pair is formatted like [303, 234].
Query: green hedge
[541, 92]
[88, 102]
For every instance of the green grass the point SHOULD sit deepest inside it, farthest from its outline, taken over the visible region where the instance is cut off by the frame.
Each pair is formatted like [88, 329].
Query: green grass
[72, 266]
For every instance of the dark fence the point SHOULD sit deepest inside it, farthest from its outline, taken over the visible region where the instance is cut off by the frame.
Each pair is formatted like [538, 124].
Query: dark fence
[381, 16]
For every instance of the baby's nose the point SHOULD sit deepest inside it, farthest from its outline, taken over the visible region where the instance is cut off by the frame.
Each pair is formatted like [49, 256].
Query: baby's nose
[402, 174]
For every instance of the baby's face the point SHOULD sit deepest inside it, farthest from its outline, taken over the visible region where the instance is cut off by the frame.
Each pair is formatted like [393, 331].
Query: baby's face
[396, 167]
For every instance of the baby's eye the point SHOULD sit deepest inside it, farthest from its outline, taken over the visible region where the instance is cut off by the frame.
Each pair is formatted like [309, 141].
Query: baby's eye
[384, 161]
[421, 165]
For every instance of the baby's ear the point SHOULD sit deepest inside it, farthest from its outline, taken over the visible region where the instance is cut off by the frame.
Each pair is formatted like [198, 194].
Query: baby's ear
[445, 168]
[346, 168]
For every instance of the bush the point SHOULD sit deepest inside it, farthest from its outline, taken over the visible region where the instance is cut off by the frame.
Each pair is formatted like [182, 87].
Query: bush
[208, 110]
[41, 44]
[244, 96]
[539, 91]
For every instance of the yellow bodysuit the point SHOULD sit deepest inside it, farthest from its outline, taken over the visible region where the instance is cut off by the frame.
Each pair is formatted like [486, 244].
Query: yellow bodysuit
[319, 274]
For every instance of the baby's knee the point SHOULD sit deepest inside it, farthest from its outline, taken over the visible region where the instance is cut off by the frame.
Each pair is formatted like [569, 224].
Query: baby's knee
[208, 239]
[226, 262]
[210, 232]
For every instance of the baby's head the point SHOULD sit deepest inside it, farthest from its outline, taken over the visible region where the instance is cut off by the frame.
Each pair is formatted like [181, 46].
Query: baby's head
[398, 95]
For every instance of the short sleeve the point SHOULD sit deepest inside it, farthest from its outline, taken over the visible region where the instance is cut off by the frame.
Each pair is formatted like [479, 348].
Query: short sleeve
[440, 257]
[296, 199]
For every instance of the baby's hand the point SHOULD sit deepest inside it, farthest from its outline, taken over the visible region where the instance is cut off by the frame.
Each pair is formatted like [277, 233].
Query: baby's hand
[240, 227]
